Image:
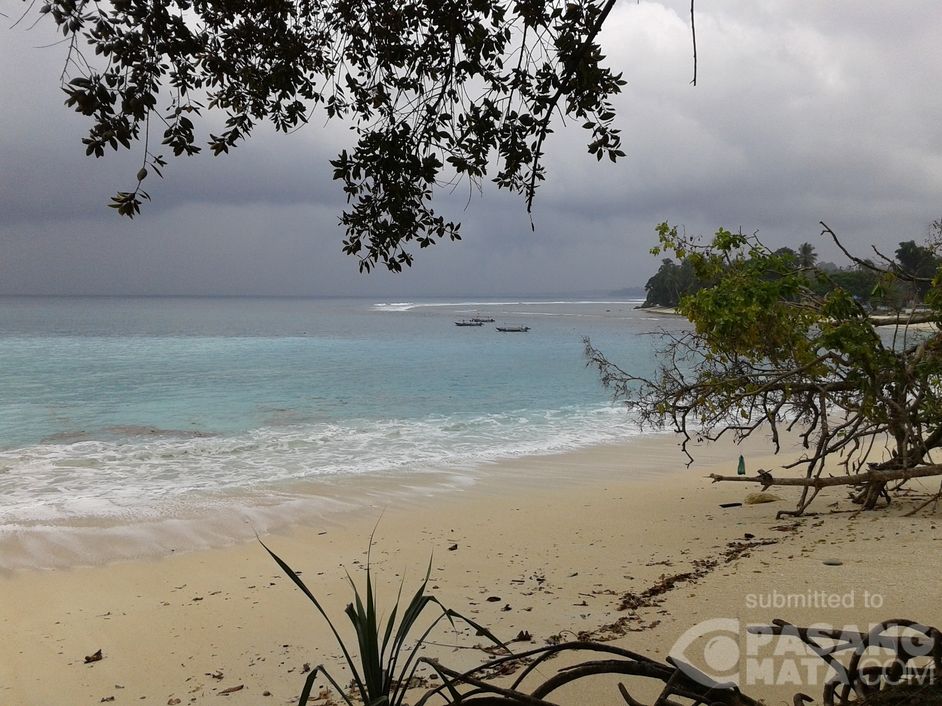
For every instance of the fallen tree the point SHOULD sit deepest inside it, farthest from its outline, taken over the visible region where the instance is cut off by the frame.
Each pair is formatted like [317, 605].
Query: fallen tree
[779, 348]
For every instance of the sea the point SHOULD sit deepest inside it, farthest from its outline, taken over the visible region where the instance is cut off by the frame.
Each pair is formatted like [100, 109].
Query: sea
[116, 411]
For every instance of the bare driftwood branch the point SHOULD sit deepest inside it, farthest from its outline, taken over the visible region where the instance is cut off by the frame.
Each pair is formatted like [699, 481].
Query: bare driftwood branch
[911, 649]
[693, 36]
[921, 318]
[767, 480]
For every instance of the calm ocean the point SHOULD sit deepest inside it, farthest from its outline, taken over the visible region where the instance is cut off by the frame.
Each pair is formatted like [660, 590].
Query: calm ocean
[116, 409]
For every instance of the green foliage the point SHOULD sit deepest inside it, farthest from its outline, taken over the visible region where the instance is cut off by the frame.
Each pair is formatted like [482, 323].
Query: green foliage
[386, 654]
[860, 282]
[435, 91]
[752, 310]
[744, 302]
[934, 295]
[778, 342]
[670, 283]
[864, 281]
[806, 256]
[919, 261]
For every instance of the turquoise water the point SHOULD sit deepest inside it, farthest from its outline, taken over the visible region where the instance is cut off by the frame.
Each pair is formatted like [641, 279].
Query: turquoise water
[130, 407]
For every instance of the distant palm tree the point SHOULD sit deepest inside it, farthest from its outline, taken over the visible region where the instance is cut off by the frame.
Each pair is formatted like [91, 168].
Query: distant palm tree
[806, 256]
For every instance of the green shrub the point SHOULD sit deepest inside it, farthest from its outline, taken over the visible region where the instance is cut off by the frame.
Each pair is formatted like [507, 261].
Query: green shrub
[381, 670]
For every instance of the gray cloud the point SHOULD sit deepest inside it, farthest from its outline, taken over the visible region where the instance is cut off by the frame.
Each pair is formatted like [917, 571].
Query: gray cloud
[827, 111]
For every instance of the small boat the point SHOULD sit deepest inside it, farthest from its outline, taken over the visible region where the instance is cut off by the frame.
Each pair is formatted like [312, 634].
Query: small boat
[513, 329]
[482, 319]
[472, 322]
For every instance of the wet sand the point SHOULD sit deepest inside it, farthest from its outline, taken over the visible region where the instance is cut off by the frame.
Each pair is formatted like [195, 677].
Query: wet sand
[615, 543]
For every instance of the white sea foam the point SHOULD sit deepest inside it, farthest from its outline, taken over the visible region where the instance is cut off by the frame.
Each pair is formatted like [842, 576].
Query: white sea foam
[146, 478]
[394, 306]
[123, 418]
[408, 306]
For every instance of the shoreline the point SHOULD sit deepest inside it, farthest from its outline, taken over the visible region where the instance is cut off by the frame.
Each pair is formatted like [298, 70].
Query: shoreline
[660, 310]
[558, 540]
[320, 500]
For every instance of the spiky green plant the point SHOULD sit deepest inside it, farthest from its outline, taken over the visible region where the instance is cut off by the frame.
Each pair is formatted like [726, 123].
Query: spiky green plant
[380, 676]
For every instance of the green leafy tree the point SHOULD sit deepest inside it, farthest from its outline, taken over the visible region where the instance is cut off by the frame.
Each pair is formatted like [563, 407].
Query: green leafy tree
[787, 253]
[771, 350]
[919, 261]
[435, 91]
[807, 257]
[859, 282]
[670, 283]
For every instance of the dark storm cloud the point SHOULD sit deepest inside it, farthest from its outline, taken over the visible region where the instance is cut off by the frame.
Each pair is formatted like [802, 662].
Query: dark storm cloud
[45, 174]
[803, 112]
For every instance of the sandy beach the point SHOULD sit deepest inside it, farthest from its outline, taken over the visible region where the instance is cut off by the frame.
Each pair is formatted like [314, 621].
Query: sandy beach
[553, 546]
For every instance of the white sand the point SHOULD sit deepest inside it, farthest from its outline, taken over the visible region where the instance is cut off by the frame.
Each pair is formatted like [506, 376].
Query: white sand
[558, 539]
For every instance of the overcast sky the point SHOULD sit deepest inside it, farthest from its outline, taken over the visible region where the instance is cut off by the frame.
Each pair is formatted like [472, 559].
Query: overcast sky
[804, 111]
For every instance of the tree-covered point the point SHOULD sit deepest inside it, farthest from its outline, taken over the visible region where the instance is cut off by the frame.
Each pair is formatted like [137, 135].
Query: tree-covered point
[671, 282]
[436, 92]
[780, 343]
[863, 280]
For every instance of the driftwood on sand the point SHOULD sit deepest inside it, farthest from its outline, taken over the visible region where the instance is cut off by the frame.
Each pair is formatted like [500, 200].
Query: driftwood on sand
[872, 480]
[912, 655]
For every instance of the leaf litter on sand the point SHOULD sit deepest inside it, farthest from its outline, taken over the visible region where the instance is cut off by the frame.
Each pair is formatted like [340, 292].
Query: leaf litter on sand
[650, 597]
[653, 595]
